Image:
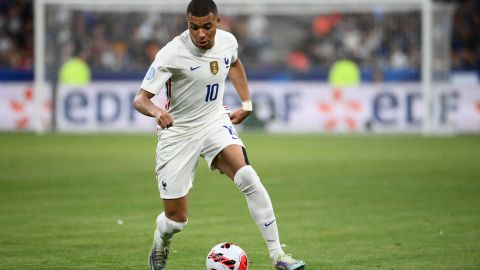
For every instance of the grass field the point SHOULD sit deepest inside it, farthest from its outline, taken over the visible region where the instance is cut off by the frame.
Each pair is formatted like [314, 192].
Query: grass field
[342, 202]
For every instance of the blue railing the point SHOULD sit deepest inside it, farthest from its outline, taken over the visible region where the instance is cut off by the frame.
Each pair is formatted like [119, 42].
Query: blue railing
[388, 75]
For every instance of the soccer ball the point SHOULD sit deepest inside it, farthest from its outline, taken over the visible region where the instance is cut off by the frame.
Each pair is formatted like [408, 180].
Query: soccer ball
[227, 256]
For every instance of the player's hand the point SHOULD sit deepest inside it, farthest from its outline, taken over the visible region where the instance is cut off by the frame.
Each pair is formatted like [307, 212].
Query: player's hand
[238, 116]
[164, 119]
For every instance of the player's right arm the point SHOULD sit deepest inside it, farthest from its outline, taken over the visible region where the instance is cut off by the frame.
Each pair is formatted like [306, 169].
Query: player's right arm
[144, 105]
[158, 74]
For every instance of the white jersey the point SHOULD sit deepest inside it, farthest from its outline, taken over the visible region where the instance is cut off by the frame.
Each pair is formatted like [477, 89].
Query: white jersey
[193, 80]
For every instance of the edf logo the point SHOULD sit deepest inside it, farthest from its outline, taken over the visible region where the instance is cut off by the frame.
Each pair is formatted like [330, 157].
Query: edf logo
[107, 107]
[102, 107]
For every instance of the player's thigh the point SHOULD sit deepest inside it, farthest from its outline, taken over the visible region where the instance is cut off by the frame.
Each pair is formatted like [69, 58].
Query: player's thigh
[176, 166]
[230, 160]
[223, 149]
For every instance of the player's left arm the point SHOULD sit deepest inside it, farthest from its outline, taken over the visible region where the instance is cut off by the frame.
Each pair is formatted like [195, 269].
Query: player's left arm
[238, 78]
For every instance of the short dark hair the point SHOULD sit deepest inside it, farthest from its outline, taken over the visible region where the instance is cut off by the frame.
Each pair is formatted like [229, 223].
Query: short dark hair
[201, 8]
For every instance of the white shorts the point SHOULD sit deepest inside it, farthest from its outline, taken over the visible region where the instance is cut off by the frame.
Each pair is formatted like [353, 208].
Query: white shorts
[177, 161]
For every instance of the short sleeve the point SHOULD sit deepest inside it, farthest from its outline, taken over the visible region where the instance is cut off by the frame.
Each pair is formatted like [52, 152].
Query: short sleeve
[161, 69]
[235, 55]
[234, 42]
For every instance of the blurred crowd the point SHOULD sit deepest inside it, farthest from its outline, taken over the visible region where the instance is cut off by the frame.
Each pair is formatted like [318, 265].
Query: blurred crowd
[466, 36]
[16, 34]
[123, 42]
[115, 42]
[120, 42]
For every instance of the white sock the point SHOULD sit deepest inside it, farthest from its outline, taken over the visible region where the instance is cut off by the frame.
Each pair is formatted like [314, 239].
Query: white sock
[260, 207]
[166, 228]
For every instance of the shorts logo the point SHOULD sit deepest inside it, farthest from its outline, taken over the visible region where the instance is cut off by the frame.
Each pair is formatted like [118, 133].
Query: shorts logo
[164, 185]
[150, 74]
[232, 132]
[214, 67]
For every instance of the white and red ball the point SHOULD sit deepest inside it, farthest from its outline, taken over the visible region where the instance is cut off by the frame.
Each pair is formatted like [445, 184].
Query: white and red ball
[227, 256]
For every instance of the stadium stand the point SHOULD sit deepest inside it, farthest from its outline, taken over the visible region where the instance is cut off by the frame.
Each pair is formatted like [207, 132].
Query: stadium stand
[384, 46]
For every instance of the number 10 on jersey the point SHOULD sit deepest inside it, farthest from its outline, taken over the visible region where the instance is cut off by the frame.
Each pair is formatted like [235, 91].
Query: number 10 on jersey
[212, 92]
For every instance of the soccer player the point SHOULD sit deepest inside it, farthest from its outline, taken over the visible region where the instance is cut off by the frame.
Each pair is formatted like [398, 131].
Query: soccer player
[192, 69]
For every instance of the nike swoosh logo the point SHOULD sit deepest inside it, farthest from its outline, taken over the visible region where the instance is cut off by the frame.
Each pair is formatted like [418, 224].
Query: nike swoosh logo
[193, 68]
[270, 223]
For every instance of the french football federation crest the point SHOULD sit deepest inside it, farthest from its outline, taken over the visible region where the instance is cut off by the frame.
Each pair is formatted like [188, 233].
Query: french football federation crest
[214, 67]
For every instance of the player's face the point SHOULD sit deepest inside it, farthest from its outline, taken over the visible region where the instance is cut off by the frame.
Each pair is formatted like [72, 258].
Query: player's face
[202, 30]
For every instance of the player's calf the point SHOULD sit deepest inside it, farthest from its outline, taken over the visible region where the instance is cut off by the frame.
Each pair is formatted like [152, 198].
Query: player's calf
[260, 207]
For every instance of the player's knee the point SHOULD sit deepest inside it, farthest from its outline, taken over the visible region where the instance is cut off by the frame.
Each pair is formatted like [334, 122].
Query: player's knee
[177, 216]
[247, 180]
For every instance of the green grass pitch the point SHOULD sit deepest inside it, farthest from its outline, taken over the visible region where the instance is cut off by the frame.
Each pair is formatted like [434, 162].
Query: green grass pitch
[342, 202]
